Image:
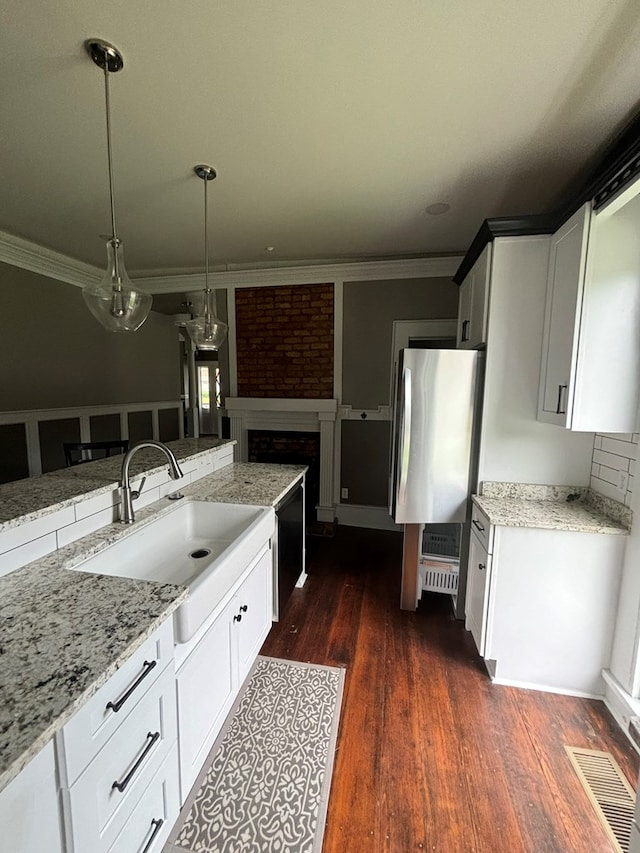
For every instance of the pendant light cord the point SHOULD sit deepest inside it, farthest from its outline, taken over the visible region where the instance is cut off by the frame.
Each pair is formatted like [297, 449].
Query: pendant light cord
[206, 252]
[114, 236]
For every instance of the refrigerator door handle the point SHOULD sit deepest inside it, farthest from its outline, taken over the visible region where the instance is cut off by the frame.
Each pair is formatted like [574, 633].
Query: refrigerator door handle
[405, 434]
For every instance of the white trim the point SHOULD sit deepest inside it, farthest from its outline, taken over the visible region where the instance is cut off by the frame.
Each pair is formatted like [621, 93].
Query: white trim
[545, 688]
[348, 413]
[293, 415]
[311, 274]
[373, 517]
[338, 319]
[30, 256]
[39, 259]
[31, 418]
[280, 404]
[404, 330]
[621, 705]
[24, 415]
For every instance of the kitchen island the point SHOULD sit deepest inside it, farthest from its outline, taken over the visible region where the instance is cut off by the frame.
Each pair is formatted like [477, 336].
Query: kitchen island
[66, 633]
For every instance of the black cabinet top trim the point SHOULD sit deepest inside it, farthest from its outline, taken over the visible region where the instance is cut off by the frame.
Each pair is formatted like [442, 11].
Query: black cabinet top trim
[617, 167]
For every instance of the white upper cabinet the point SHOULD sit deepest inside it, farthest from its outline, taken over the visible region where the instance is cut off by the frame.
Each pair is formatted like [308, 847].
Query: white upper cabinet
[473, 303]
[567, 263]
[590, 368]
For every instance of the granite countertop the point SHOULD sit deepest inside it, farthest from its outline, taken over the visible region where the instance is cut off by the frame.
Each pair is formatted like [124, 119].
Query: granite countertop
[64, 633]
[572, 508]
[247, 483]
[34, 497]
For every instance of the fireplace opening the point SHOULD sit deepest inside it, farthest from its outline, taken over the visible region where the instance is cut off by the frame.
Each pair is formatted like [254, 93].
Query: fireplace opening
[290, 448]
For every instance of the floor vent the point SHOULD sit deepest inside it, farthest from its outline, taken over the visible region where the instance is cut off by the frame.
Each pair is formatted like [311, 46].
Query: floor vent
[611, 795]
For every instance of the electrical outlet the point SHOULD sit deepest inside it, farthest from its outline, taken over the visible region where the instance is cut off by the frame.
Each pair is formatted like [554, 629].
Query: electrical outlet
[623, 481]
[344, 494]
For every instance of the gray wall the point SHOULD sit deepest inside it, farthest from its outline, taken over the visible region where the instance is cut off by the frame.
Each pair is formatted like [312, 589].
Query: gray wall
[53, 353]
[369, 309]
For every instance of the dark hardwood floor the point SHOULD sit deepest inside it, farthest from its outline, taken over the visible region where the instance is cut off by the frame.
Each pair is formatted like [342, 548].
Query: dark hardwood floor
[431, 756]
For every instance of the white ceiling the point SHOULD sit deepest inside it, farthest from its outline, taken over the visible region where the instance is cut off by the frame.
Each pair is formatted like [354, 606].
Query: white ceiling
[332, 125]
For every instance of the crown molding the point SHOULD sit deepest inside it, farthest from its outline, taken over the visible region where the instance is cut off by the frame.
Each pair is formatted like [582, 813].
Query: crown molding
[35, 258]
[30, 256]
[312, 274]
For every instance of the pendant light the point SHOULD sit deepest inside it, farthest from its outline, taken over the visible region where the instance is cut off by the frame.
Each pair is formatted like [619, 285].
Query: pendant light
[207, 331]
[114, 301]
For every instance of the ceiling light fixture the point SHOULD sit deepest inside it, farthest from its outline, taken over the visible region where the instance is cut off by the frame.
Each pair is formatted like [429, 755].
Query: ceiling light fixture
[438, 208]
[207, 332]
[114, 301]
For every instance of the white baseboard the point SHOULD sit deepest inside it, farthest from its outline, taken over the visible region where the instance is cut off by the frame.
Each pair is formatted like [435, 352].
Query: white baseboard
[621, 705]
[546, 688]
[374, 517]
[326, 513]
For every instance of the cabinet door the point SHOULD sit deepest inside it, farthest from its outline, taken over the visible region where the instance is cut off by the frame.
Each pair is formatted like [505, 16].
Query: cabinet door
[252, 617]
[565, 286]
[474, 303]
[29, 818]
[464, 312]
[206, 689]
[477, 600]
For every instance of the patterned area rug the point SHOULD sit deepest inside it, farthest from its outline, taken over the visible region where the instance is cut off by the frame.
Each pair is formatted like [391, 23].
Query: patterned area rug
[268, 786]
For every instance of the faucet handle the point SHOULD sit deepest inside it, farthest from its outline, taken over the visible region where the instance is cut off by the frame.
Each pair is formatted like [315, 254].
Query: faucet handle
[137, 492]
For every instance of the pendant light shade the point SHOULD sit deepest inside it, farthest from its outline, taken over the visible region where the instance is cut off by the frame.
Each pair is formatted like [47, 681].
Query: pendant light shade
[114, 301]
[207, 331]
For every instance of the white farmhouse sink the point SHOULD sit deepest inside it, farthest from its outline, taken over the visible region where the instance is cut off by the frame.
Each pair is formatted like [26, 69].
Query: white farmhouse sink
[204, 546]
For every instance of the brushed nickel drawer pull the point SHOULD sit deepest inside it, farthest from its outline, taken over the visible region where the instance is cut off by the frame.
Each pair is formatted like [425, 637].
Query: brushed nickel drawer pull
[147, 666]
[122, 785]
[156, 824]
[478, 526]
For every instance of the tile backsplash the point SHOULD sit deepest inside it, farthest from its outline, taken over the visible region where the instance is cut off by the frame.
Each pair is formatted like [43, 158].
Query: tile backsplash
[613, 465]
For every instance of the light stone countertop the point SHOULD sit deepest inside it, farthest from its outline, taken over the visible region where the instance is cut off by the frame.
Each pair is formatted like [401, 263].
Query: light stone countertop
[547, 507]
[64, 633]
[247, 483]
[34, 497]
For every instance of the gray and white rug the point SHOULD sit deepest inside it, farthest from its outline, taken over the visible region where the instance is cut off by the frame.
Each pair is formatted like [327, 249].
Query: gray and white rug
[268, 786]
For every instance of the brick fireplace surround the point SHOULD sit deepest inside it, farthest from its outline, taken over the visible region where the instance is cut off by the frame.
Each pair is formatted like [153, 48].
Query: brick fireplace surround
[290, 414]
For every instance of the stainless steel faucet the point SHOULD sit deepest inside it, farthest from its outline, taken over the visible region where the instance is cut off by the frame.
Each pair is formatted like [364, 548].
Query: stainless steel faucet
[127, 515]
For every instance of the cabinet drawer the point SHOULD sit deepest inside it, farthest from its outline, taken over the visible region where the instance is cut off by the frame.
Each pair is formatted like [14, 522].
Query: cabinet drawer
[153, 817]
[481, 527]
[104, 796]
[92, 726]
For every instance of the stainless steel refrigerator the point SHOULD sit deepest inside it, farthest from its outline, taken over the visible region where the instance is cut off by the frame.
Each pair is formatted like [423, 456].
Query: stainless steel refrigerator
[433, 461]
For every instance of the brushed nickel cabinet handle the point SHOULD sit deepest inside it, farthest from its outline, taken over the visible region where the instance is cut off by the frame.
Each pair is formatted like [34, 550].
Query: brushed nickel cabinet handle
[147, 666]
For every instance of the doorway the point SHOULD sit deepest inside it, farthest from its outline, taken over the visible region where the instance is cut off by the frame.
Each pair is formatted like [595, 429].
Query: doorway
[209, 397]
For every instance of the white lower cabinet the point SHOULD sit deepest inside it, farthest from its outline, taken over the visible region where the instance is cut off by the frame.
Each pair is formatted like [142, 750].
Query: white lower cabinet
[29, 812]
[132, 723]
[215, 662]
[478, 580]
[148, 827]
[542, 610]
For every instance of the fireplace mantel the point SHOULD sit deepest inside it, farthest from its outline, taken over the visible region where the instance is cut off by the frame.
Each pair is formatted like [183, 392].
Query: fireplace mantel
[290, 414]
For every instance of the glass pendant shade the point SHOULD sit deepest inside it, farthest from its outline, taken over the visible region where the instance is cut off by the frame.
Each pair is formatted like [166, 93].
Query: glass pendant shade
[115, 302]
[208, 331]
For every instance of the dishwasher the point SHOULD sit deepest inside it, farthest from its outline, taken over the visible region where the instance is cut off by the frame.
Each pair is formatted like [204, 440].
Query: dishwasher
[289, 546]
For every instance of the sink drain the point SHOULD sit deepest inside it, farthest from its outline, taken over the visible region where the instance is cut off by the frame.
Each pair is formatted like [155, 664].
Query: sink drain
[200, 553]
